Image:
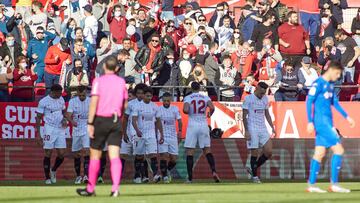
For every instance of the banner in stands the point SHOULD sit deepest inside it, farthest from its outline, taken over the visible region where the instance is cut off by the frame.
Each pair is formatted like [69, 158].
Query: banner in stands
[22, 160]
[17, 120]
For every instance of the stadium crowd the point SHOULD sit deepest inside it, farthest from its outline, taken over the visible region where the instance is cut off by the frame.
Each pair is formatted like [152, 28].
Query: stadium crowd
[42, 45]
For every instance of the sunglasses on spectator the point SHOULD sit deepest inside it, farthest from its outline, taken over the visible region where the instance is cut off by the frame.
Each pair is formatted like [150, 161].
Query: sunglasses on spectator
[237, 32]
[202, 20]
[188, 23]
[220, 9]
[171, 26]
[153, 40]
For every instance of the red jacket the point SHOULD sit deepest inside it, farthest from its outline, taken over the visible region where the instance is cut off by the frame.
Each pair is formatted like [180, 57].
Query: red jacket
[51, 65]
[295, 35]
[23, 79]
[117, 27]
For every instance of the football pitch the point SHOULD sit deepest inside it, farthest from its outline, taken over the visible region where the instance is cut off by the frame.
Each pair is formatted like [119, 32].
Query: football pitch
[178, 193]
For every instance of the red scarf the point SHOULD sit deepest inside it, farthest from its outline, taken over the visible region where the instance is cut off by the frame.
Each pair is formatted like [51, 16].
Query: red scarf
[153, 52]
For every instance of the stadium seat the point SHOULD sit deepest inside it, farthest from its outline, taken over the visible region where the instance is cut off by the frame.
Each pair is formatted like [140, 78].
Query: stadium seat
[40, 89]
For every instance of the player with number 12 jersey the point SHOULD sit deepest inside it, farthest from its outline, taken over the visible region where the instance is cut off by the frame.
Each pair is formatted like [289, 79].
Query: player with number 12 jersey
[195, 105]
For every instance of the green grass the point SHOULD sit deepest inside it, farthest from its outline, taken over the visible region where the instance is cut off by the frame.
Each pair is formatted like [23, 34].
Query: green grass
[33, 192]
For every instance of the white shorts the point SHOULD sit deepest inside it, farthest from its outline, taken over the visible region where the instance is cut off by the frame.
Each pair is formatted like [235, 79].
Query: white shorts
[258, 139]
[197, 134]
[54, 138]
[145, 145]
[127, 148]
[169, 146]
[80, 142]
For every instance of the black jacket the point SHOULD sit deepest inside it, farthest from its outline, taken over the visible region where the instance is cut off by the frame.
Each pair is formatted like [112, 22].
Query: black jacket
[169, 75]
[142, 58]
[11, 26]
[4, 51]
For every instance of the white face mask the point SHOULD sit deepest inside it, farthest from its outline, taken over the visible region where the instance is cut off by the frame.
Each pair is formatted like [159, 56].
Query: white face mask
[57, 13]
[236, 35]
[23, 65]
[117, 13]
[325, 20]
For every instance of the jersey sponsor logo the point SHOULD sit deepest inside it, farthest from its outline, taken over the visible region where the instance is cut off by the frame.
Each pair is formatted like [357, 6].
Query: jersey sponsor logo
[312, 91]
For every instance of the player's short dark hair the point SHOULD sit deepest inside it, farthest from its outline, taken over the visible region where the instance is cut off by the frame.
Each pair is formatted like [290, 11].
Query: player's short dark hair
[263, 85]
[111, 63]
[81, 88]
[140, 86]
[195, 86]
[335, 65]
[148, 89]
[56, 88]
[166, 94]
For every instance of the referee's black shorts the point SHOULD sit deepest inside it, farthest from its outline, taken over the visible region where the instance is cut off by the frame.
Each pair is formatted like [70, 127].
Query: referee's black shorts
[106, 132]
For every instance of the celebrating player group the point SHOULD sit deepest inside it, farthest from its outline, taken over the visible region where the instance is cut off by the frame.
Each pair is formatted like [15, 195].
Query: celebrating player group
[128, 124]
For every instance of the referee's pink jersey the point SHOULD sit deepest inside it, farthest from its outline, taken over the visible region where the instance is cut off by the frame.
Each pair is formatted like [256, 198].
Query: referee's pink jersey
[111, 90]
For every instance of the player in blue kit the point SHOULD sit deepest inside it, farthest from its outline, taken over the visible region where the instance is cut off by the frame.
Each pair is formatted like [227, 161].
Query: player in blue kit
[320, 99]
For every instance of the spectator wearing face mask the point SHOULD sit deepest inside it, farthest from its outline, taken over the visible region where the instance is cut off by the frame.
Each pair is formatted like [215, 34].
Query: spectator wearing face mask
[38, 18]
[76, 77]
[350, 52]
[117, 22]
[336, 7]
[206, 37]
[290, 82]
[329, 52]
[56, 58]
[6, 75]
[235, 43]
[106, 48]
[327, 27]
[293, 39]
[198, 75]
[169, 75]
[10, 48]
[227, 75]
[225, 32]
[23, 81]
[37, 50]
[21, 31]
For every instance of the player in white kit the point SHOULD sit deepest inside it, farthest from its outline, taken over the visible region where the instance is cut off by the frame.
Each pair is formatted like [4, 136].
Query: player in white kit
[146, 122]
[195, 105]
[77, 112]
[127, 146]
[255, 110]
[169, 150]
[52, 108]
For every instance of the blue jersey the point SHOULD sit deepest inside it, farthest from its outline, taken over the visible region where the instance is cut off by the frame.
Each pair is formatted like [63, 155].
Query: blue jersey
[318, 106]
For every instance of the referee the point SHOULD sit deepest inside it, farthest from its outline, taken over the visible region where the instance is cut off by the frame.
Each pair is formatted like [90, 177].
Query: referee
[108, 101]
